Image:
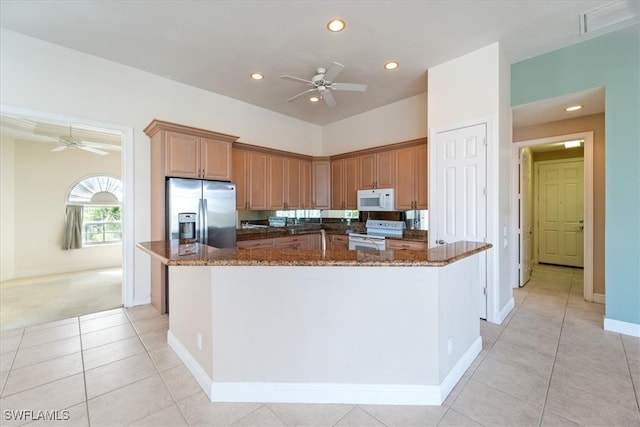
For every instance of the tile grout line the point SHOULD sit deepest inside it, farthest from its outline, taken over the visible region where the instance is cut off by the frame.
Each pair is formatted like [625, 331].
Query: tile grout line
[13, 361]
[155, 365]
[633, 383]
[555, 356]
[84, 374]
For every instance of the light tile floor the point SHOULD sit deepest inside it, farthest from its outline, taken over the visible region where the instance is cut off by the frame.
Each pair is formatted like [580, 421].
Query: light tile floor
[550, 363]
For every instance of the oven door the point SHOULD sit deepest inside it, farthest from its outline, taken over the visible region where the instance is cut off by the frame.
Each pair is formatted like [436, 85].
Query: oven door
[362, 242]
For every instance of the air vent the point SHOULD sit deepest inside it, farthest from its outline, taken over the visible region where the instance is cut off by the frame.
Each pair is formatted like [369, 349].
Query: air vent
[609, 16]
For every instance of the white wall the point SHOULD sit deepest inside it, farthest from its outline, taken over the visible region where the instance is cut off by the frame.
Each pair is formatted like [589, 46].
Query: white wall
[471, 89]
[7, 210]
[43, 77]
[403, 120]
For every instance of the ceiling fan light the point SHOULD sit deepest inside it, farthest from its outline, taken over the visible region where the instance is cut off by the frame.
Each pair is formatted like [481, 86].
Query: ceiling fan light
[314, 99]
[391, 65]
[336, 25]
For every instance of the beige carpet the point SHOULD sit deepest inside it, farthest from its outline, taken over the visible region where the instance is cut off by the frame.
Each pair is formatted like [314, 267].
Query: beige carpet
[34, 300]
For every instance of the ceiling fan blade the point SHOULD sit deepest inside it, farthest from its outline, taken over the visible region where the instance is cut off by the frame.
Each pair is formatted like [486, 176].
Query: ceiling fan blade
[333, 72]
[298, 79]
[92, 150]
[328, 99]
[356, 87]
[59, 148]
[300, 94]
[101, 146]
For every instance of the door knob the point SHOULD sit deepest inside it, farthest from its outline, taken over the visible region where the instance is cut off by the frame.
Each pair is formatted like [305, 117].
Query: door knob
[440, 242]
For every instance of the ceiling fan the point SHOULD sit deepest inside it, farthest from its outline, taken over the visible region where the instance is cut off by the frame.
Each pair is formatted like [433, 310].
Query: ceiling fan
[323, 83]
[92, 147]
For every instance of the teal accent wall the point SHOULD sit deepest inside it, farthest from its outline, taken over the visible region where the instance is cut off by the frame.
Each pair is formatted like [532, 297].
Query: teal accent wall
[612, 61]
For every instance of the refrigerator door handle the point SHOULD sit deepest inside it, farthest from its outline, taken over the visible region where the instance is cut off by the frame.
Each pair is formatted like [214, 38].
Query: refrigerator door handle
[205, 225]
[200, 228]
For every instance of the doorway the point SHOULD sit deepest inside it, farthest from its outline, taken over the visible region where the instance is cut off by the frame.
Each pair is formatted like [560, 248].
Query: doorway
[524, 205]
[69, 267]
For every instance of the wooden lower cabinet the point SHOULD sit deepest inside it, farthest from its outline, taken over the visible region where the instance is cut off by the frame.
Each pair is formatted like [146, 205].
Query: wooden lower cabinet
[411, 245]
[338, 241]
[293, 242]
[257, 244]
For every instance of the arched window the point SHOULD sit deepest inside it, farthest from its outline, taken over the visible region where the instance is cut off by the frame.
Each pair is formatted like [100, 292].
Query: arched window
[101, 201]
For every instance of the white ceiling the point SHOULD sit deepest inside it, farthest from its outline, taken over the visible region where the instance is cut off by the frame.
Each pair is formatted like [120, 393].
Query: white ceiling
[215, 45]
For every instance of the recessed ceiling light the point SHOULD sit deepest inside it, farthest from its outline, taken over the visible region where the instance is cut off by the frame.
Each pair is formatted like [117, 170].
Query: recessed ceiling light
[336, 25]
[391, 65]
[573, 108]
[572, 144]
[314, 99]
[257, 76]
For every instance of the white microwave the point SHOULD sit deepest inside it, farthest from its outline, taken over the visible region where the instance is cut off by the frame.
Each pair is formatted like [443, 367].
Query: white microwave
[379, 199]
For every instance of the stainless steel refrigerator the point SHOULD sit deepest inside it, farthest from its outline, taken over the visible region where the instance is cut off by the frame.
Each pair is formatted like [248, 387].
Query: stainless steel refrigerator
[214, 203]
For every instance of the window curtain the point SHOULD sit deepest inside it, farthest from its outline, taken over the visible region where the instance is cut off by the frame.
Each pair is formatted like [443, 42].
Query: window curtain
[73, 228]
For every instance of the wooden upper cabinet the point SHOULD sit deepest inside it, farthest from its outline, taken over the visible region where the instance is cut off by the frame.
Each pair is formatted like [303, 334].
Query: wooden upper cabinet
[189, 156]
[351, 180]
[250, 177]
[293, 184]
[411, 177]
[337, 184]
[377, 170]
[306, 184]
[321, 184]
[215, 159]
[345, 178]
[188, 152]
[276, 183]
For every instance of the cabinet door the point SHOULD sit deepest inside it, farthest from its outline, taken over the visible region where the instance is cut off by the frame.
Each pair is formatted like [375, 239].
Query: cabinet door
[385, 169]
[240, 178]
[321, 176]
[337, 184]
[422, 177]
[305, 184]
[182, 155]
[257, 244]
[351, 178]
[257, 180]
[367, 171]
[293, 184]
[296, 242]
[315, 241]
[406, 245]
[215, 159]
[405, 176]
[276, 182]
[339, 242]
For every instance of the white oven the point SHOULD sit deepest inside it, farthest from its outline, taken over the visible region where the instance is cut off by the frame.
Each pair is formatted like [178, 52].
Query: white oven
[364, 242]
[379, 199]
[377, 231]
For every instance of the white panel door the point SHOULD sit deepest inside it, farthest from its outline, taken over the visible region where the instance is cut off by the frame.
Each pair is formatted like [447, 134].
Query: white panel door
[561, 212]
[526, 220]
[461, 193]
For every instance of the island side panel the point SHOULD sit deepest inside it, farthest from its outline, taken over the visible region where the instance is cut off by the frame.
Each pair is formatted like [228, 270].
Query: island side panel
[459, 315]
[347, 325]
[190, 314]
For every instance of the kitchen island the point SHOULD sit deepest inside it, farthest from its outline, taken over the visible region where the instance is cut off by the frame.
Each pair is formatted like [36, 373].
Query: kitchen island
[376, 327]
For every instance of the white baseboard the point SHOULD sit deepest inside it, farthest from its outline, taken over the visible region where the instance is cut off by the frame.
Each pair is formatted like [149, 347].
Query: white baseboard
[142, 301]
[620, 327]
[599, 298]
[372, 394]
[192, 365]
[505, 311]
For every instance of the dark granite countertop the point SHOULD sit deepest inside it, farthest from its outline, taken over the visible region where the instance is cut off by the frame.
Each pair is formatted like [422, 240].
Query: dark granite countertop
[169, 253]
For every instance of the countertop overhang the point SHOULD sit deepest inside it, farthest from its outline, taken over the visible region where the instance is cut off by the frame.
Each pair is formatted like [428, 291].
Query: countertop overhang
[172, 253]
